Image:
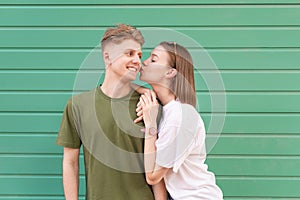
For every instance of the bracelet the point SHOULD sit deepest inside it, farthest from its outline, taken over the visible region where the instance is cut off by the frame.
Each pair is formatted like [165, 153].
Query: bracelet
[152, 131]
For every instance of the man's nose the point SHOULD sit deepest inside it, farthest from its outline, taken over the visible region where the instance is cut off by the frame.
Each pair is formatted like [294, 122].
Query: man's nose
[137, 59]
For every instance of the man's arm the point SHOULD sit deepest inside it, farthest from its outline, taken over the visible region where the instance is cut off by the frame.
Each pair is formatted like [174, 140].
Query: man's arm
[159, 190]
[70, 173]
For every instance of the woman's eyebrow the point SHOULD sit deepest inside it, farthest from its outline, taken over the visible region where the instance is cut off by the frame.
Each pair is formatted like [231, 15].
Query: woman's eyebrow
[153, 54]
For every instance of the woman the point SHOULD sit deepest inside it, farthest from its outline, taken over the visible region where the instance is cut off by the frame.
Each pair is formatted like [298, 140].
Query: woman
[175, 150]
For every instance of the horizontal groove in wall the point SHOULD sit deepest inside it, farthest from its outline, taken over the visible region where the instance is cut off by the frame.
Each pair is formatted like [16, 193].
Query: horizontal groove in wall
[223, 135]
[210, 71]
[199, 49]
[243, 93]
[139, 3]
[176, 28]
[33, 155]
[213, 156]
[34, 197]
[220, 177]
[38, 176]
[214, 113]
[156, 6]
[197, 90]
[296, 157]
[91, 49]
[259, 198]
[153, 2]
[26, 113]
[258, 178]
[148, 50]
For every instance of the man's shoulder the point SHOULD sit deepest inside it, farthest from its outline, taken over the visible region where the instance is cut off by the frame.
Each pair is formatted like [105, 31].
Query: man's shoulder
[135, 95]
[82, 97]
[85, 94]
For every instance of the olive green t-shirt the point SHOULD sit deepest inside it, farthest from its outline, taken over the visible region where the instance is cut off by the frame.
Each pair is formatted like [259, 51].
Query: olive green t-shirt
[112, 145]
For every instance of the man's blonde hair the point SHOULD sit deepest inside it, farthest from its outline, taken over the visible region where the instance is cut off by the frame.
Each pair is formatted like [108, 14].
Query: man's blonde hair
[120, 33]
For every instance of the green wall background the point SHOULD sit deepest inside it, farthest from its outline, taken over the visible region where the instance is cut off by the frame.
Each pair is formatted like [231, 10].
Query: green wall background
[254, 43]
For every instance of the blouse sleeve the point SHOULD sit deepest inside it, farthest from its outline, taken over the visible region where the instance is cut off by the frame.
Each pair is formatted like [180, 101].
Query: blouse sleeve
[165, 144]
[175, 143]
[173, 149]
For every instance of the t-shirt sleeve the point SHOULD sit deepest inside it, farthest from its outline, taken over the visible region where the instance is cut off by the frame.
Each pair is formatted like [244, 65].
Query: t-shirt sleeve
[68, 135]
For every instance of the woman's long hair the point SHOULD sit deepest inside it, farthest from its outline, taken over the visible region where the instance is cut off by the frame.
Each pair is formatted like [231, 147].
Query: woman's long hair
[183, 84]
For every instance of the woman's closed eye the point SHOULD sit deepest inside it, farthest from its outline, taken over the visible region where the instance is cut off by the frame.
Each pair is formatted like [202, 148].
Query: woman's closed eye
[154, 59]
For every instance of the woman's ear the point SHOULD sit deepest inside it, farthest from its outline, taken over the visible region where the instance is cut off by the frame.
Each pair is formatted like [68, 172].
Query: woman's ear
[171, 73]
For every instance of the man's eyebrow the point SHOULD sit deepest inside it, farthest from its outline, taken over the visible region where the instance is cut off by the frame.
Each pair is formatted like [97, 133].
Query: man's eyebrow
[138, 49]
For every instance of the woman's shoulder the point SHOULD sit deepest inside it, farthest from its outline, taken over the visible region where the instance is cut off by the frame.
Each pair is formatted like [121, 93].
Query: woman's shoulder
[173, 107]
[191, 113]
[189, 108]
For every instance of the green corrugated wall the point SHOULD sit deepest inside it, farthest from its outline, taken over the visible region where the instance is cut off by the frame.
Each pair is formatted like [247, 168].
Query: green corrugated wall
[255, 45]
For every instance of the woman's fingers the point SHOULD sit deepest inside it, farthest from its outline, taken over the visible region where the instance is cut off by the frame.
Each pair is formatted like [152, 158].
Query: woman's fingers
[146, 106]
[139, 107]
[140, 113]
[153, 96]
[149, 97]
[145, 99]
[142, 101]
[138, 119]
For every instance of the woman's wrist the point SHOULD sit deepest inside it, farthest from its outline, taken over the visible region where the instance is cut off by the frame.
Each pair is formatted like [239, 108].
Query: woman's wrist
[151, 130]
[151, 124]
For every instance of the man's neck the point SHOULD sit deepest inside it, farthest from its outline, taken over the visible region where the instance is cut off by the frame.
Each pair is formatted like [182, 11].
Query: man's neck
[115, 88]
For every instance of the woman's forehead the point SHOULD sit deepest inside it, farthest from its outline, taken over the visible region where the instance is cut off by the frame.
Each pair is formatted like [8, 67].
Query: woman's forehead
[159, 51]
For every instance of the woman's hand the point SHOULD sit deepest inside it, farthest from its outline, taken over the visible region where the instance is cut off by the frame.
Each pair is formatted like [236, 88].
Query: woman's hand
[139, 112]
[149, 109]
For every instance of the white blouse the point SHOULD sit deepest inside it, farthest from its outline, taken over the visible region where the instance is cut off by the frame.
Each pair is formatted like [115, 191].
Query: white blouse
[181, 146]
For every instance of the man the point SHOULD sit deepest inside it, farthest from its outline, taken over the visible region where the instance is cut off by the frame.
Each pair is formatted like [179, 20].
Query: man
[102, 121]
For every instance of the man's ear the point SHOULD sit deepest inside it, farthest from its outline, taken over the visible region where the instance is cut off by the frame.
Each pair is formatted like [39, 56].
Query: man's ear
[106, 58]
[171, 73]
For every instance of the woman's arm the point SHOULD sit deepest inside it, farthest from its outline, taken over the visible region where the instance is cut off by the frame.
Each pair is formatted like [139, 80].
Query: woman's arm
[159, 190]
[154, 173]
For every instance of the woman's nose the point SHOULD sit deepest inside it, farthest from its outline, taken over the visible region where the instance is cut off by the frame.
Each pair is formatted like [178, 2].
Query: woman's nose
[145, 62]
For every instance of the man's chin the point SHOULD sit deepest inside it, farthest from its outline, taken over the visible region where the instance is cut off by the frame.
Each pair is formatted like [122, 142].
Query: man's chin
[128, 78]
